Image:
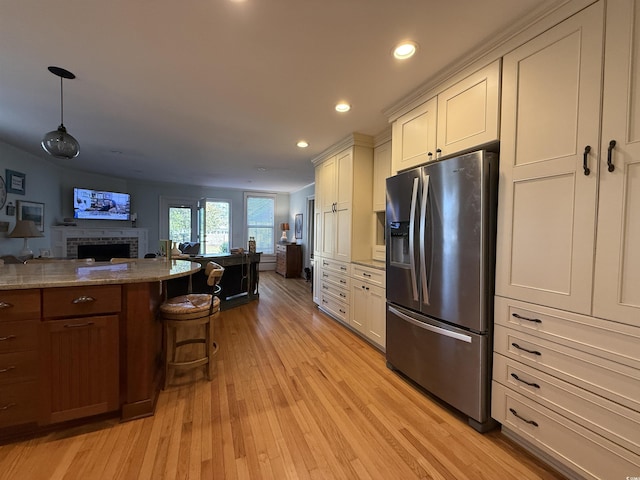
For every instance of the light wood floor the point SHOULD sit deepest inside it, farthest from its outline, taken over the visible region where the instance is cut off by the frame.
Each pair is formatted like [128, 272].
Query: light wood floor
[295, 395]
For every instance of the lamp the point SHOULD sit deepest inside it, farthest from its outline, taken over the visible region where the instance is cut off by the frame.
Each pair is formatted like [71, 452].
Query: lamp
[285, 228]
[25, 229]
[59, 143]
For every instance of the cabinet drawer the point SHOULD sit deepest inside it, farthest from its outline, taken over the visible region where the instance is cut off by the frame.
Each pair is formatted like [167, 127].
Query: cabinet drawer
[17, 336]
[582, 450]
[19, 305]
[594, 412]
[335, 278]
[335, 307]
[18, 403]
[18, 367]
[335, 266]
[371, 275]
[77, 301]
[603, 338]
[339, 292]
[612, 380]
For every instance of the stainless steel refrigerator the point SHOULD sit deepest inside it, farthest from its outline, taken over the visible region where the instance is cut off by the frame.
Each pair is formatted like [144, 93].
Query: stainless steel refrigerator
[440, 230]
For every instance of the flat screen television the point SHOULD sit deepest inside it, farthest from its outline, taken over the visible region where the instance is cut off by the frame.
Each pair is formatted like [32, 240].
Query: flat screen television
[100, 205]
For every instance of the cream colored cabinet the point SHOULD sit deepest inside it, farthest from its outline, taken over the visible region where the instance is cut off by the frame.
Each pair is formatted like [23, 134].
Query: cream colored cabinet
[469, 111]
[345, 182]
[414, 136]
[567, 308]
[464, 115]
[368, 303]
[547, 204]
[333, 288]
[616, 293]
[381, 171]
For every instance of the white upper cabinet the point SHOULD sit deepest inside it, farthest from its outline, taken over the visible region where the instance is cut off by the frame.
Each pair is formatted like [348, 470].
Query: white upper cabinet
[414, 136]
[344, 182]
[616, 294]
[469, 111]
[551, 90]
[464, 115]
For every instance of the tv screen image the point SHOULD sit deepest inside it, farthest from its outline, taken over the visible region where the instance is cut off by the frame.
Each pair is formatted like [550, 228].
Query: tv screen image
[100, 205]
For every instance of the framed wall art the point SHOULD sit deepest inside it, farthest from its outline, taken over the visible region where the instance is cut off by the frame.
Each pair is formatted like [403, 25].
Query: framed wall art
[16, 182]
[32, 211]
[298, 226]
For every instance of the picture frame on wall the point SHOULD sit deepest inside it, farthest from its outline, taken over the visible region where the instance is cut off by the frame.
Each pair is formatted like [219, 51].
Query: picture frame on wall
[32, 211]
[16, 182]
[298, 226]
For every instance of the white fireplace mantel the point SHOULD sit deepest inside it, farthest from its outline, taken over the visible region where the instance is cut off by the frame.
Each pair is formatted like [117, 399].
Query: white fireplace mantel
[64, 237]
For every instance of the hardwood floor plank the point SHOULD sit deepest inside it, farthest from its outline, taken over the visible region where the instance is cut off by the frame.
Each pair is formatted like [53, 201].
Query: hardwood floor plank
[295, 395]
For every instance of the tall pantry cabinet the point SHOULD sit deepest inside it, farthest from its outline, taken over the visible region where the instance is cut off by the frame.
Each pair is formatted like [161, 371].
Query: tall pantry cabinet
[343, 229]
[567, 309]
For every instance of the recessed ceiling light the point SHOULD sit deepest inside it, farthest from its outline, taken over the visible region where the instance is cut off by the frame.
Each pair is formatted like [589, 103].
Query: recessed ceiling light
[405, 50]
[302, 144]
[343, 107]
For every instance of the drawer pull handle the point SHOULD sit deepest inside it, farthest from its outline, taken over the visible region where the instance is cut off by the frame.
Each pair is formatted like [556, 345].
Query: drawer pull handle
[5, 304]
[343, 281]
[8, 337]
[610, 166]
[343, 268]
[585, 160]
[366, 274]
[342, 312]
[524, 381]
[520, 317]
[78, 325]
[325, 275]
[325, 264]
[8, 369]
[83, 299]
[530, 422]
[533, 352]
[325, 287]
[343, 295]
[8, 406]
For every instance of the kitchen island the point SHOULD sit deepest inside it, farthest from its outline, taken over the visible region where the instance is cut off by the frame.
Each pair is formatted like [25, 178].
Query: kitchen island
[81, 339]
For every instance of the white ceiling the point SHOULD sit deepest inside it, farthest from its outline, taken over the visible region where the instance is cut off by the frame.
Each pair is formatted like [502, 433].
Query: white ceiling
[218, 92]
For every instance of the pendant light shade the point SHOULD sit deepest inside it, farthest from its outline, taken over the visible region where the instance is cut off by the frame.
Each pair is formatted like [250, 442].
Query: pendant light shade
[59, 143]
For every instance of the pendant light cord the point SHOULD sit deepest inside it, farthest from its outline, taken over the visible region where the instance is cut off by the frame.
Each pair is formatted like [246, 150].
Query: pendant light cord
[61, 104]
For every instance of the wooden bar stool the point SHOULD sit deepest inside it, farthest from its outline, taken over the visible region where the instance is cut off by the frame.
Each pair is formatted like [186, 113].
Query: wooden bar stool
[188, 313]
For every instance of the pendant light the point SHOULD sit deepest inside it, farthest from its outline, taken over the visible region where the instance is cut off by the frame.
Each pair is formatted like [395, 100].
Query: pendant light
[59, 143]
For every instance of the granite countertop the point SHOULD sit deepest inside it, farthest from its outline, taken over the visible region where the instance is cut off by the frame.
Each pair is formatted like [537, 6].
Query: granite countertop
[68, 273]
[378, 264]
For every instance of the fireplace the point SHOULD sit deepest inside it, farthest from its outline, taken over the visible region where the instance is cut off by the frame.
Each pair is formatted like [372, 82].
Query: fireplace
[66, 240]
[104, 252]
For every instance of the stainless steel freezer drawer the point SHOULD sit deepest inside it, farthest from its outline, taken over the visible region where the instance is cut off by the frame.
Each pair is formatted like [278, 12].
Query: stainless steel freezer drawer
[450, 363]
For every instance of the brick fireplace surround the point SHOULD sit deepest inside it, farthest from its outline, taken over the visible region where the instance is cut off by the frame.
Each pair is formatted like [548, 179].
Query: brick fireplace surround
[65, 240]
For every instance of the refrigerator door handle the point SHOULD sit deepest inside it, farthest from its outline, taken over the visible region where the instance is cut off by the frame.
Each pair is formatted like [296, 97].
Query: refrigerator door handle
[431, 328]
[412, 257]
[423, 228]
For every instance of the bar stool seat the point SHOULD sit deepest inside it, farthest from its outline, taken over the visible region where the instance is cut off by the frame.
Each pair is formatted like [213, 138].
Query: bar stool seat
[184, 314]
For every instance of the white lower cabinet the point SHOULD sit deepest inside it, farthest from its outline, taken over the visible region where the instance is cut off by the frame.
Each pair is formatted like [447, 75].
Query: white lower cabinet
[567, 384]
[368, 314]
[332, 287]
[353, 294]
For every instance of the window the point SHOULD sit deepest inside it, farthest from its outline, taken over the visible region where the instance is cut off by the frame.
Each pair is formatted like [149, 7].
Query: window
[215, 225]
[260, 215]
[180, 224]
